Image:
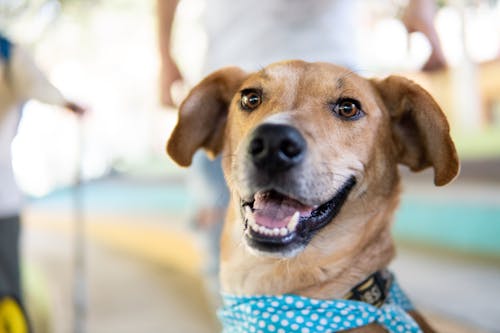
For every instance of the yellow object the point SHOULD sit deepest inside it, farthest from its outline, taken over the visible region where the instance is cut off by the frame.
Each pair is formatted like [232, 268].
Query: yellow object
[12, 319]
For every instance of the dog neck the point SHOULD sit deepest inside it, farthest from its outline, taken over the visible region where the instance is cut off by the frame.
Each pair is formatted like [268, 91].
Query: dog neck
[313, 273]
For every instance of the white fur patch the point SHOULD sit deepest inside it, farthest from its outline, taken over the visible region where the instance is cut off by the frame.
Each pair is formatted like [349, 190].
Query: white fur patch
[282, 118]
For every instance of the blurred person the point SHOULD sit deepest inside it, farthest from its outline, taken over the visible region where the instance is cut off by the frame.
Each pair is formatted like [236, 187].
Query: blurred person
[419, 16]
[254, 34]
[20, 80]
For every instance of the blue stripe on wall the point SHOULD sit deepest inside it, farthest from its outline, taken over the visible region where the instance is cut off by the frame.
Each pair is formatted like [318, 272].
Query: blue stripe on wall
[472, 226]
[466, 226]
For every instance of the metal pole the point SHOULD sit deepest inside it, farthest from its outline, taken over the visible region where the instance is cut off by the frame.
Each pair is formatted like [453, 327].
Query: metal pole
[79, 287]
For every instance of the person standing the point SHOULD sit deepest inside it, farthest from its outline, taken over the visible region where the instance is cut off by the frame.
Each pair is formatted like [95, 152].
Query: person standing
[20, 80]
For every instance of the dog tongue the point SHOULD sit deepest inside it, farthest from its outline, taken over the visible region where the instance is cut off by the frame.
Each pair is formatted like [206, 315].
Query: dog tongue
[275, 211]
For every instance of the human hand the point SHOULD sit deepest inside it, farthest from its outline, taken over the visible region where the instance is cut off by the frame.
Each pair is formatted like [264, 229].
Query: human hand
[169, 74]
[209, 217]
[75, 108]
[419, 17]
[436, 61]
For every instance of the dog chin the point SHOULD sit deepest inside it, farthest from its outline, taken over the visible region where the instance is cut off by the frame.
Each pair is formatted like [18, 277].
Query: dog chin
[284, 253]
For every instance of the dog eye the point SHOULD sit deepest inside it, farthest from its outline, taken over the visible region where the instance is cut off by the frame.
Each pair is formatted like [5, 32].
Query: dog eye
[250, 99]
[348, 109]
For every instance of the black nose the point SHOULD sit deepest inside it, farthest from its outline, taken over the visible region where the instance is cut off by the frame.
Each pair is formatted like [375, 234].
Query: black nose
[275, 148]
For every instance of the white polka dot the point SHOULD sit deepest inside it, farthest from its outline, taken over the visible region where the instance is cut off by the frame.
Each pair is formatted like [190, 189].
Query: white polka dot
[260, 304]
[299, 304]
[314, 302]
[281, 330]
[284, 322]
[304, 330]
[252, 329]
[256, 312]
[305, 312]
[350, 317]
[337, 319]
[323, 321]
[262, 323]
[299, 319]
[340, 305]
[400, 328]
[359, 322]
[289, 300]
[294, 327]
[314, 316]
[289, 314]
[329, 313]
[274, 318]
[265, 314]
[309, 324]
[344, 312]
[275, 304]
[320, 328]
[271, 328]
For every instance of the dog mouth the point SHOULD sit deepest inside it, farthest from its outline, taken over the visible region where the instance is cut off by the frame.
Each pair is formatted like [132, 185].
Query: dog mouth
[275, 222]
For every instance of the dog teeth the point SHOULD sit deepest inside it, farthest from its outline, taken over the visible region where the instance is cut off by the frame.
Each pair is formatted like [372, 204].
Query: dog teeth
[283, 231]
[252, 223]
[294, 221]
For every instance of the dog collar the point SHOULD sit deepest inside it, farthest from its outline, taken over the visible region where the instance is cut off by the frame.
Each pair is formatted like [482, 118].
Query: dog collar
[293, 313]
[373, 290]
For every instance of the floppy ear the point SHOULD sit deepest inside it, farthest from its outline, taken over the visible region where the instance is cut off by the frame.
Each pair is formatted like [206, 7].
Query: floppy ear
[202, 116]
[420, 128]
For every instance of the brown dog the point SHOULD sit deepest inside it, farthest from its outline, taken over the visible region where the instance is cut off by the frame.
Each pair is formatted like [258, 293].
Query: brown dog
[310, 153]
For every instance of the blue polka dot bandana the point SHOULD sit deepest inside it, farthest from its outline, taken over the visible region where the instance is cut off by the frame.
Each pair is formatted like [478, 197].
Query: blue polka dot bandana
[292, 313]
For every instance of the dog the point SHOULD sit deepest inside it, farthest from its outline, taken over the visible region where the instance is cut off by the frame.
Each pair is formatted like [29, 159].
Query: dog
[310, 153]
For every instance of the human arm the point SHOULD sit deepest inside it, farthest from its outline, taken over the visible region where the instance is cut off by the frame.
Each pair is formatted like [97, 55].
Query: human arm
[419, 17]
[169, 72]
[29, 82]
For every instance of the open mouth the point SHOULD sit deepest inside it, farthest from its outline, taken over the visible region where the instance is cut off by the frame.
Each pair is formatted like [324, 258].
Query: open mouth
[276, 223]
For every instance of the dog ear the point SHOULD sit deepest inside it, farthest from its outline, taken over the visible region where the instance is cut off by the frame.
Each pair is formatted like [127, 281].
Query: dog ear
[420, 128]
[202, 116]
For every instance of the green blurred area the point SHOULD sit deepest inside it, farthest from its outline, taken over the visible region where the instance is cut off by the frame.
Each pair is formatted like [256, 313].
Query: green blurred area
[478, 145]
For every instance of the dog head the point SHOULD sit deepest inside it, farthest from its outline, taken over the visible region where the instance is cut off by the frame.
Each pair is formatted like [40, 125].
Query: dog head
[308, 147]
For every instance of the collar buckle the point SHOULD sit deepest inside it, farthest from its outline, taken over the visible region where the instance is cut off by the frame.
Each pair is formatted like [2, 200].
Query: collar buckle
[373, 290]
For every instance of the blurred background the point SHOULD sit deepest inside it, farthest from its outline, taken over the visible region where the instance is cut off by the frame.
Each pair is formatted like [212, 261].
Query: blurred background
[144, 263]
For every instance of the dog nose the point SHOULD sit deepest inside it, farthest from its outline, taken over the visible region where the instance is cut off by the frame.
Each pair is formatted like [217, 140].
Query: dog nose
[274, 147]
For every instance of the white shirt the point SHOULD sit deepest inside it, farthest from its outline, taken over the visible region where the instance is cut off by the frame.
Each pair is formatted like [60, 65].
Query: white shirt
[26, 81]
[253, 34]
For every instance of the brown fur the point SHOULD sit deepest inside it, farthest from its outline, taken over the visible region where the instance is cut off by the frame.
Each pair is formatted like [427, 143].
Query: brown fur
[402, 124]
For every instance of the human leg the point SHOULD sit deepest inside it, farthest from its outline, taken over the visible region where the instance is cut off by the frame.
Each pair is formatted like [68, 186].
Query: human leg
[10, 280]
